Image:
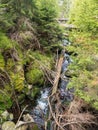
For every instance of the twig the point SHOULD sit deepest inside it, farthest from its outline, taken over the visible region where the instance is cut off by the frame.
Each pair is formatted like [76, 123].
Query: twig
[25, 123]
[54, 115]
[21, 115]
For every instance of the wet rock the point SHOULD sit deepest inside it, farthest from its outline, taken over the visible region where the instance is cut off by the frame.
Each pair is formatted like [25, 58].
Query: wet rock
[64, 66]
[63, 84]
[28, 117]
[11, 117]
[7, 116]
[37, 112]
[66, 42]
[66, 95]
[21, 126]
[67, 57]
[30, 86]
[24, 127]
[8, 125]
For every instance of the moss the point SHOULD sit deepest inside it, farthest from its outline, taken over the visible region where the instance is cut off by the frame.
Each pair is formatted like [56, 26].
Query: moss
[17, 81]
[71, 49]
[35, 92]
[35, 127]
[16, 73]
[34, 76]
[42, 59]
[10, 64]
[21, 98]
[95, 105]
[2, 62]
[5, 42]
[5, 102]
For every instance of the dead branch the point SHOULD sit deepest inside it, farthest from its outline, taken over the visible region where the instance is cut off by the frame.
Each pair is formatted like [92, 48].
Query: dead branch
[23, 123]
[21, 115]
[54, 116]
[58, 73]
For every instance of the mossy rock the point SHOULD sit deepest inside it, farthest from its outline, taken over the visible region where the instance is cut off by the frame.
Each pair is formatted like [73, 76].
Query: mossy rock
[9, 125]
[22, 127]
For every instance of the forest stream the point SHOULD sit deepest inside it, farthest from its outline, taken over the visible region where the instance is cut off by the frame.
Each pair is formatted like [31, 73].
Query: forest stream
[49, 65]
[39, 116]
[41, 110]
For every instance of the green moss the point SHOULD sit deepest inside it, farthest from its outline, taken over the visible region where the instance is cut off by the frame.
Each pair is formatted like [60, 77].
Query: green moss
[42, 58]
[35, 127]
[35, 92]
[10, 64]
[95, 104]
[16, 74]
[71, 49]
[2, 62]
[17, 80]
[34, 76]
[5, 102]
[5, 42]
[21, 98]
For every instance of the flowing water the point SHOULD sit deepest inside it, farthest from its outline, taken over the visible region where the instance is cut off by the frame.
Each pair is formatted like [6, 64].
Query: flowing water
[65, 93]
[39, 113]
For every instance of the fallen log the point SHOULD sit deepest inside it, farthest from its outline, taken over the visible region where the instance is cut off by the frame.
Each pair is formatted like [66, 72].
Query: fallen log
[58, 73]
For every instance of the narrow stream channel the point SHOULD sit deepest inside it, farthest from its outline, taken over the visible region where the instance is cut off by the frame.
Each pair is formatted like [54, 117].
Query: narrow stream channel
[40, 111]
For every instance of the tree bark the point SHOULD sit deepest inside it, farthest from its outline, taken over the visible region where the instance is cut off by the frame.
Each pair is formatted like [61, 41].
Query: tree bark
[58, 73]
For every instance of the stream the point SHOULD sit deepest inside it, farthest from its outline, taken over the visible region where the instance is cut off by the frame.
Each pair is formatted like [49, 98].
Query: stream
[39, 113]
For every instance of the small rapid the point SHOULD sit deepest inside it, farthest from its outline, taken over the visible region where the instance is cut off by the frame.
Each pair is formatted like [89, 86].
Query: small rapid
[40, 112]
[65, 93]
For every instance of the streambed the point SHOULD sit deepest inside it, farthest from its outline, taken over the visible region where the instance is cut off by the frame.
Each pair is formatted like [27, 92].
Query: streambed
[39, 113]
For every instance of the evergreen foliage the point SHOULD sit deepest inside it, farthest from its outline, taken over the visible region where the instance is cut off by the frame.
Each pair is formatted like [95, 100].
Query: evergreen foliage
[25, 26]
[29, 31]
[84, 14]
[84, 50]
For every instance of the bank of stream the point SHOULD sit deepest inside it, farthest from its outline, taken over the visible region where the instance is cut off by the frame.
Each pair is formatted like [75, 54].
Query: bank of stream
[52, 111]
[41, 110]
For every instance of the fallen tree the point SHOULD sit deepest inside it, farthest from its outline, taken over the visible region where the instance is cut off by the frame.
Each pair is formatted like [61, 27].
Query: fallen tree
[58, 73]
